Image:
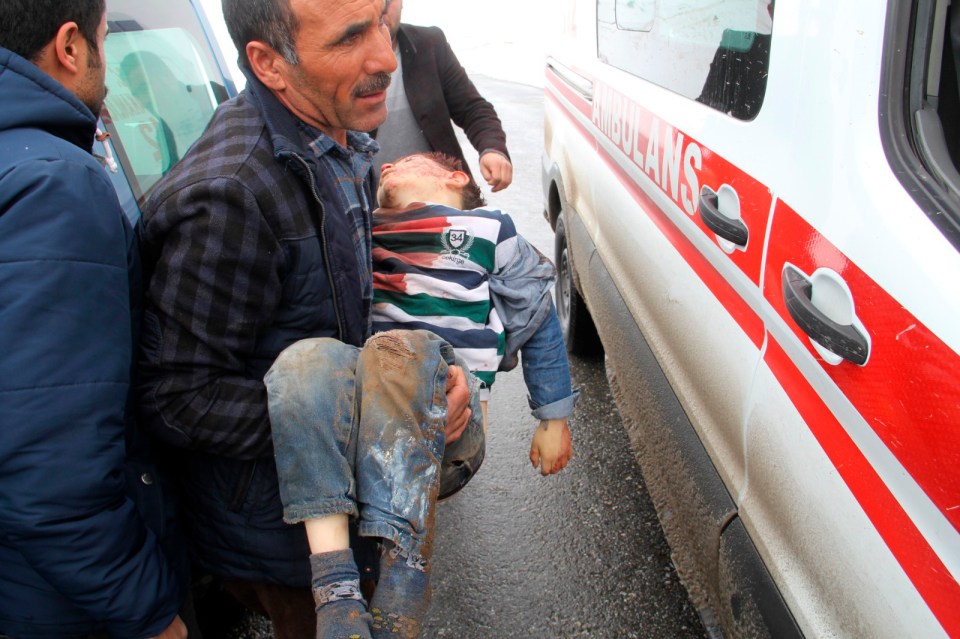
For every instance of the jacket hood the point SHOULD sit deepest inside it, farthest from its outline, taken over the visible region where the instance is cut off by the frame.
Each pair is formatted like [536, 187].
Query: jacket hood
[31, 98]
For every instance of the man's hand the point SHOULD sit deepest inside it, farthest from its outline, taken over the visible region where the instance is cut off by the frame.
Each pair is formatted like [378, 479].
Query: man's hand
[458, 404]
[176, 630]
[551, 447]
[496, 170]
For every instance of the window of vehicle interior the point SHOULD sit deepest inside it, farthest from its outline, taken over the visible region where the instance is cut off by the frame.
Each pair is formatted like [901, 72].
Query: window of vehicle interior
[163, 86]
[713, 52]
[934, 100]
[920, 106]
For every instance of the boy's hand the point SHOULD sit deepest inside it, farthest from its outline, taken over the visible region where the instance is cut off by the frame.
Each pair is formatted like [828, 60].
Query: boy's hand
[551, 447]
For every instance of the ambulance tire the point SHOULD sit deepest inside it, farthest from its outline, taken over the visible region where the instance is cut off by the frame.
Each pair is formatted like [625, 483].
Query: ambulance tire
[579, 332]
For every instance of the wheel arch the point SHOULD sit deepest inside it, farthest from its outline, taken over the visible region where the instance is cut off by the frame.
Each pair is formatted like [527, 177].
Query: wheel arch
[554, 196]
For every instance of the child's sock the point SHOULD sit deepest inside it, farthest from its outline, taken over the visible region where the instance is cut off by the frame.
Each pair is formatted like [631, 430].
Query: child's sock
[402, 597]
[341, 611]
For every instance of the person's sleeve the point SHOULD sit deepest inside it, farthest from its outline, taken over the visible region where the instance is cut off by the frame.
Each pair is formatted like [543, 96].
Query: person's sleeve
[65, 362]
[520, 289]
[546, 371]
[214, 283]
[468, 109]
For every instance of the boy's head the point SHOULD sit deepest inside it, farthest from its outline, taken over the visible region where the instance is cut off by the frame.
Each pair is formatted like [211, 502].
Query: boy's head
[427, 177]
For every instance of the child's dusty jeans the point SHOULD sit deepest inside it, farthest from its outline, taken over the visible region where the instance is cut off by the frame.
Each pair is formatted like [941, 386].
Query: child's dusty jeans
[361, 432]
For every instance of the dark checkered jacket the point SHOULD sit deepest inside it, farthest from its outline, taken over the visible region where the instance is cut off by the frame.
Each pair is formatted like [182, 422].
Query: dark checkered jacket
[246, 250]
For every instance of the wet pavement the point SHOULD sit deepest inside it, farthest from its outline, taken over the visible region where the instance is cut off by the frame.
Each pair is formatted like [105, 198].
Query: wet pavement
[579, 554]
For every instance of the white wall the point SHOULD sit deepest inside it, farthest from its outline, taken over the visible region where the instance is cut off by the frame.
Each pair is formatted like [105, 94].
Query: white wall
[501, 39]
[214, 14]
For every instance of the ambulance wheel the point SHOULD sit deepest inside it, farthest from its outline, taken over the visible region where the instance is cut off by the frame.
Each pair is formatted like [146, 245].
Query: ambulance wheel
[579, 333]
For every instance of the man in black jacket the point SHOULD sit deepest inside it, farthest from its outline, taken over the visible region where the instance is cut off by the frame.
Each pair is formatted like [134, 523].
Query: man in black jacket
[429, 89]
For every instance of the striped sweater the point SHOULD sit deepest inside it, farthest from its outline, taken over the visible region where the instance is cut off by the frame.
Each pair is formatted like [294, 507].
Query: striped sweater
[432, 266]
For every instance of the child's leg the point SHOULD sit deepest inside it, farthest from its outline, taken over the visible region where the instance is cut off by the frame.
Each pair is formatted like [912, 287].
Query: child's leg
[328, 533]
[341, 611]
[311, 399]
[402, 377]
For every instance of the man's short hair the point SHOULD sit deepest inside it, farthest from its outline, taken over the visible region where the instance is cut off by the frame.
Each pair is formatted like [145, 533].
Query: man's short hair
[270, 21]
[470, 195]
[27, 26]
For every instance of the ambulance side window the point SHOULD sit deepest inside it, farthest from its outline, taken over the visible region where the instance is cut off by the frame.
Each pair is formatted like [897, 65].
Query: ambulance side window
[713, 52]
[948, 94]
[635, 15]
[934, 96]
[920, 107]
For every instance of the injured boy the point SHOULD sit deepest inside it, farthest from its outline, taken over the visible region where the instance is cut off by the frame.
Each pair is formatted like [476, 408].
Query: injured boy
[454, 285]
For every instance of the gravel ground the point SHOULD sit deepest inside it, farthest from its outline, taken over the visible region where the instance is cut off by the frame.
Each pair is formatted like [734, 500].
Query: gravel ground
[252, 626]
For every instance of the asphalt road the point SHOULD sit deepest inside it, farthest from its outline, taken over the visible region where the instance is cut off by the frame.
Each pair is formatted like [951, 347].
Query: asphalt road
[579, 554]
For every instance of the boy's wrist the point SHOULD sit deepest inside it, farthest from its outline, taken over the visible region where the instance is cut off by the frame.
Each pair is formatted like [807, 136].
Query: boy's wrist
[559, 409]
[546, 424]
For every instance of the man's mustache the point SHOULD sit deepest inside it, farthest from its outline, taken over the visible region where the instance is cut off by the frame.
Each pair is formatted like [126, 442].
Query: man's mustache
[375, 84]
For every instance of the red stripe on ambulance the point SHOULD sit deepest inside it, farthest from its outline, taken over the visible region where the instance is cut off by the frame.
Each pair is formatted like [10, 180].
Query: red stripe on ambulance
[748, 320]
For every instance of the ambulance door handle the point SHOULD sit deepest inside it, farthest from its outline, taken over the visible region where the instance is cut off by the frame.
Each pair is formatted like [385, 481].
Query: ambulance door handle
[845, 341]
[732, 230]
[576, 81]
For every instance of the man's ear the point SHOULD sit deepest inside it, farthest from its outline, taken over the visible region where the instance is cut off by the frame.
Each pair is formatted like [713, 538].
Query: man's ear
[62, 58]
[70, 47]
[268, 65]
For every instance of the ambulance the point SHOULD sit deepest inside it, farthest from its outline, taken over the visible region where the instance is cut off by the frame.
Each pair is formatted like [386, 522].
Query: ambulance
[165, 77]
[756, 209]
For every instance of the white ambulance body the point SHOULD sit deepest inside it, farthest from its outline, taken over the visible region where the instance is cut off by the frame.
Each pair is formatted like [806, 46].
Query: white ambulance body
[757, 208]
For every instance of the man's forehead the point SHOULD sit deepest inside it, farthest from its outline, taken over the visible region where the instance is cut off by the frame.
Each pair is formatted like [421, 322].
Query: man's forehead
[339, 18]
